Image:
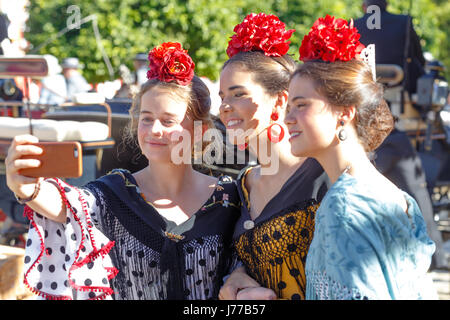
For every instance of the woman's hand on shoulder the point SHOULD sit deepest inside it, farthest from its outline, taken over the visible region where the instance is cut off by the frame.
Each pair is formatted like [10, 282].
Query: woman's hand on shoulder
[237, 280]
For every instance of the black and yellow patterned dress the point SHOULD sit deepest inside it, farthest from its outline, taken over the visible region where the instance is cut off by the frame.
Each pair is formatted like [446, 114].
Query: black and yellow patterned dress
[273, 247]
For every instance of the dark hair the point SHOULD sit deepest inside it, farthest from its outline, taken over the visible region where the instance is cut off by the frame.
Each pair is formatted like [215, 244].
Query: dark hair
[272, 73]
[196, 94]
[350, 83]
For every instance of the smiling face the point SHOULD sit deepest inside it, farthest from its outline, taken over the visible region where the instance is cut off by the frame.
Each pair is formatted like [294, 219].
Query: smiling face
[245, 104]
[311, 120]
[162, 114]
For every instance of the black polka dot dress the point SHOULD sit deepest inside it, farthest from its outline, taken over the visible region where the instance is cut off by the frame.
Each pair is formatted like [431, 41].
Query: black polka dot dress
[139, 254]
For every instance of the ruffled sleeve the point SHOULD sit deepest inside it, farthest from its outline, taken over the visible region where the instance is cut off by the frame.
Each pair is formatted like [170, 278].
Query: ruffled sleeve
[365, 248]
[69, 260]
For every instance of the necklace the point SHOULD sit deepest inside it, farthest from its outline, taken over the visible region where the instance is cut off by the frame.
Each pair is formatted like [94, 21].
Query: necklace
[347, 168]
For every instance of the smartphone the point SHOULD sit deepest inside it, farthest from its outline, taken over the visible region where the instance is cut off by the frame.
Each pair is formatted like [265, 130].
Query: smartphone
[58, 160]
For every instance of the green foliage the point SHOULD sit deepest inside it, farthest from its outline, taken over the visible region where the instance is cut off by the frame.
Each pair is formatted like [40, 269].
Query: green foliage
[202, 26]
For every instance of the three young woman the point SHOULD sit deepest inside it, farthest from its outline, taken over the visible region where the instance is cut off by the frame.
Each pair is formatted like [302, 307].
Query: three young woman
[165, 231]
[370, 239]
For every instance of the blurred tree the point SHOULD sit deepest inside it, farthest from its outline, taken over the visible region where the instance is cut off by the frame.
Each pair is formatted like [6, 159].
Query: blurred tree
[431, 19]
[202, 26]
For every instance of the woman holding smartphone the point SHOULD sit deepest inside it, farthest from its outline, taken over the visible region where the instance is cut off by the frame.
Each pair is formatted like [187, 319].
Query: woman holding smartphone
[160, 233]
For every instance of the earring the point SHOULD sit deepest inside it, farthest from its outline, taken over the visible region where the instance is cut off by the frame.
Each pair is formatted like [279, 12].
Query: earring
[276, 138]
[342, 134]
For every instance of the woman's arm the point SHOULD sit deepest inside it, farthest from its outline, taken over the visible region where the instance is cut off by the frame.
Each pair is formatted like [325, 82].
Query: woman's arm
[237, 280]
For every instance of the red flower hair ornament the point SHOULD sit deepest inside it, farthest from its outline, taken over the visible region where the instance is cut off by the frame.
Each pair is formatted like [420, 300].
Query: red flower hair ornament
[260, 32]
[170, 62]
[331, 39]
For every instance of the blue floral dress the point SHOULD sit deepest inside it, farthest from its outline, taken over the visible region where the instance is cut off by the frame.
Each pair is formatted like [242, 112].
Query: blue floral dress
[365, 247]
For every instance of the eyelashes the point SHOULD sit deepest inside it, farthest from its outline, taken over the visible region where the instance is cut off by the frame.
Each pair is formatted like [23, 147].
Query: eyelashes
[234, 95]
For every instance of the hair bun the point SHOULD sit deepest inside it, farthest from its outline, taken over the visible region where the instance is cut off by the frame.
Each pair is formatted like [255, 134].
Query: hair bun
[375, 120]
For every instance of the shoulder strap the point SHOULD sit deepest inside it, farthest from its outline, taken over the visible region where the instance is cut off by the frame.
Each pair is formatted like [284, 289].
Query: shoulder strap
[406, 50]
[405, 63]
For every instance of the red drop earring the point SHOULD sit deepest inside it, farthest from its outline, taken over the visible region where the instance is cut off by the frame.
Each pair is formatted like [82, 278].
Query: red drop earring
[342, 134]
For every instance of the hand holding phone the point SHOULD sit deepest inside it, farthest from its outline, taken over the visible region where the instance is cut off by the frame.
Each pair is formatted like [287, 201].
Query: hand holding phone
[58, 159]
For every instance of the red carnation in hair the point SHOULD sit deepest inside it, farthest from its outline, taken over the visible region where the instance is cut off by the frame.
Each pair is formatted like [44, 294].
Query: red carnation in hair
[170, 62]
[260, 32]
[331, 39]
